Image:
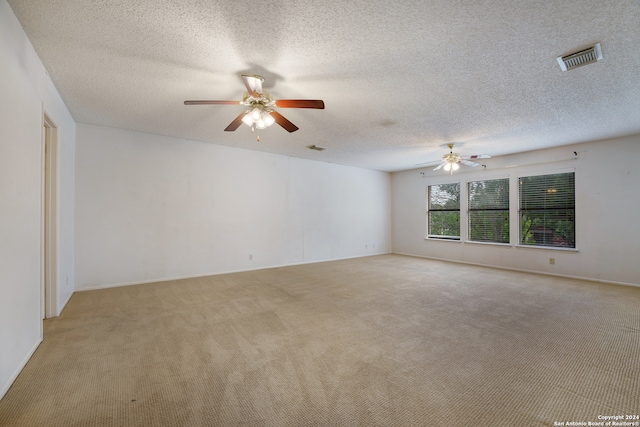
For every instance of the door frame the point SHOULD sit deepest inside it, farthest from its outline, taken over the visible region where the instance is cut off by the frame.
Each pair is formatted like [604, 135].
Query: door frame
[49, 288]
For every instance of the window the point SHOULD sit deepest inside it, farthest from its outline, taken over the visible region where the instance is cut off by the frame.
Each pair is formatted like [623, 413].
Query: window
[444, 211]
[489, 210]
[547, 210]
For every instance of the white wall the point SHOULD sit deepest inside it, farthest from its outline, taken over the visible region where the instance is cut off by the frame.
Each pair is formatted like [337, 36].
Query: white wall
[28, 93]
[150, 208]
[607, 206]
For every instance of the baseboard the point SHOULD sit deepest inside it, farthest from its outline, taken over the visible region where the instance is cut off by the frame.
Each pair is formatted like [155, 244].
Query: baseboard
[218, 273]
[544, 273]
[64, 304]
[24, 362]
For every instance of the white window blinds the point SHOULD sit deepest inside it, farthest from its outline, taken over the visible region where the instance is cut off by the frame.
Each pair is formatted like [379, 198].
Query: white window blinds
[489, 210]
[547, 210]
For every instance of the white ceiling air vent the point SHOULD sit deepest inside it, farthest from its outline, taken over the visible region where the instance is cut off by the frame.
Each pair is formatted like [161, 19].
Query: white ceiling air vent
[583, 57]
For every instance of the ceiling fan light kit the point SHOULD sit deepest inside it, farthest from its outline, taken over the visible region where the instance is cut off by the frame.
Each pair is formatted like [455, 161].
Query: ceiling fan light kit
[451, 167]
[258, 118]
[260, 113]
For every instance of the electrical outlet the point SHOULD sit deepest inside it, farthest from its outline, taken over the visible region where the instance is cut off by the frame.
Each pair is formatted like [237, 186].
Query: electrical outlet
[552, 261]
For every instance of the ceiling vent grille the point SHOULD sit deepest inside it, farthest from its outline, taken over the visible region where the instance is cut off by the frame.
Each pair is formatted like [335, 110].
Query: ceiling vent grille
[583, 57]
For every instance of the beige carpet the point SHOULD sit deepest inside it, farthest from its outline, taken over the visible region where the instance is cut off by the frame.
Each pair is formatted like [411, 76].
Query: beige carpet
[378, 341]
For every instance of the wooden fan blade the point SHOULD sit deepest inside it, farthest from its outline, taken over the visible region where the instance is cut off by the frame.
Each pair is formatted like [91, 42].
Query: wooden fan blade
[478, 156]
[212, 103]
[282, 121]
[469, 163]
[253, 85]
[300, 103]
[235, 124]
[431, 163]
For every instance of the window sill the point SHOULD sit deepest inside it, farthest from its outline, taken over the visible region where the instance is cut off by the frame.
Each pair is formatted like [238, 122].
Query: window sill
[550, 248]
[437, 239]
[473, 242]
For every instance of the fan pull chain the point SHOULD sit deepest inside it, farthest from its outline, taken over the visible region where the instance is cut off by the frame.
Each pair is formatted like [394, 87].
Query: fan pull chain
[253, 130]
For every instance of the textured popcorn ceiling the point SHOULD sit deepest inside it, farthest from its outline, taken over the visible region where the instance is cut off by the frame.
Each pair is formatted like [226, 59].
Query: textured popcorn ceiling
[399, 79]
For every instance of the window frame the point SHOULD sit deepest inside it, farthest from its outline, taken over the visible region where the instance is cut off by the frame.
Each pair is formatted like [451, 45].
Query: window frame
[572, 210]
[450, 238]
[505, 209]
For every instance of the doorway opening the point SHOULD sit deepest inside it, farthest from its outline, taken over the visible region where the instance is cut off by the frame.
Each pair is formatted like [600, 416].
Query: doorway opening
[49, 307]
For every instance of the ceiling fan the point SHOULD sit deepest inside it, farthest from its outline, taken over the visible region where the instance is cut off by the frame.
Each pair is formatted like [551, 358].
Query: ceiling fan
[260, 112]
[451, 161]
